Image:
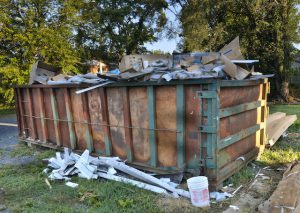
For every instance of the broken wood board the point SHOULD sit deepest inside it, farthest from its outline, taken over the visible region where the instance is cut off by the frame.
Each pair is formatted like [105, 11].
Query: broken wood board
[275, 116]
[286, 198]
[278, 126]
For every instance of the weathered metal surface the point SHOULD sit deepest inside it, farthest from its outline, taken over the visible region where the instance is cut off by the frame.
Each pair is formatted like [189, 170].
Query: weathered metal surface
[200, 126]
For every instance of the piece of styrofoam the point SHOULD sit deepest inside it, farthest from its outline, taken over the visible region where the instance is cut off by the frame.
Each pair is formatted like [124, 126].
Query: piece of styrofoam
[145, 177]
[71, 184]
[139, 184]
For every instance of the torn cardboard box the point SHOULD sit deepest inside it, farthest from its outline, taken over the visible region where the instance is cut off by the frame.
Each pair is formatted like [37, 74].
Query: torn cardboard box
[233, 70]
[231, 51]
[42, 72]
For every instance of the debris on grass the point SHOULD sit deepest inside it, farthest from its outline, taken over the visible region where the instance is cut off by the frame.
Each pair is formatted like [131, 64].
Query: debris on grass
[67, 164]
[48, 183]
[71, 184]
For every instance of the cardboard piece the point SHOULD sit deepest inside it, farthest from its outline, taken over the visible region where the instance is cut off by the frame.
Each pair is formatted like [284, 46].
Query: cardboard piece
[211, 57]
[131, 75]
[231, 51]
[127, 63]
[233, 70]
[41, 72]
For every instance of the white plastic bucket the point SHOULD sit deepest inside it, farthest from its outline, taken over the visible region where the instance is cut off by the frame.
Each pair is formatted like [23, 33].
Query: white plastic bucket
[198, 187]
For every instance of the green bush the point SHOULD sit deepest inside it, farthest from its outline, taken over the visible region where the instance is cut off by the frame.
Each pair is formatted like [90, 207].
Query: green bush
[11, 75]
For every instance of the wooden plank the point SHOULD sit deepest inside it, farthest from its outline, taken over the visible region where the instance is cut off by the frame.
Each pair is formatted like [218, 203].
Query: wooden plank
[232, 96]
[278, 127]
[62, 114]
[36, 114]
[140, 119]
[42, 114]
[96, 117]
[21, 110]
[166, 119]
[49, 114]
[116, 119]
[238, 136]
[78, 116]
[70, 118]
[30, 113]
[232, 124]
[55, 117]
[275, 116]
[19, 116]
[87, 121]
[106, 129]
[127, 124]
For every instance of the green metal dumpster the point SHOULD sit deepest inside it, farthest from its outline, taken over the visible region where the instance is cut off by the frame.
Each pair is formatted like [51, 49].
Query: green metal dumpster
[210, 127]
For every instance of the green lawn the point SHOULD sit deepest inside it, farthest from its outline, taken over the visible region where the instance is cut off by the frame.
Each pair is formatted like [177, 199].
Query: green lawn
[26, 191]
[5, 111]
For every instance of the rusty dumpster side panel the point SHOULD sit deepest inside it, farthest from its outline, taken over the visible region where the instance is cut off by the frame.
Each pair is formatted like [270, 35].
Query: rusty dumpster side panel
[199, 126]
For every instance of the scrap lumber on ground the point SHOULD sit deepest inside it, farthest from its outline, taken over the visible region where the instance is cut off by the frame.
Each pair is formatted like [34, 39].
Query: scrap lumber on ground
[286, 198]
[277, 124]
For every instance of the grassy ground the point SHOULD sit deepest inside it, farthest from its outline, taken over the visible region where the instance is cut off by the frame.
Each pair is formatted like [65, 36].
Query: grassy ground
[25, 190]
[6, 111]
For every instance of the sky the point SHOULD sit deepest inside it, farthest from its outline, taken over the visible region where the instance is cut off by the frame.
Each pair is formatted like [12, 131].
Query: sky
[164, 44]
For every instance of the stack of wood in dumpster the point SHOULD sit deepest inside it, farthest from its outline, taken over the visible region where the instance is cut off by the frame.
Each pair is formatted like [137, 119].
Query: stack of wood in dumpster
[228, 64]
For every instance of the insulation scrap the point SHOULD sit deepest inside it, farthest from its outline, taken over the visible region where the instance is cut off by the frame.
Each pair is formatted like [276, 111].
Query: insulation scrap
[64, 165]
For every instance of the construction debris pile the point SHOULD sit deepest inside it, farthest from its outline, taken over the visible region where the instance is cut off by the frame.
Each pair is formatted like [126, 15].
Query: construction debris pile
[228, 63]
[68, 164]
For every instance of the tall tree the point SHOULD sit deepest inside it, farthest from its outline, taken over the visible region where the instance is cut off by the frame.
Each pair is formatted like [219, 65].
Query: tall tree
[33, 30]
[267, 31]
[112, 28]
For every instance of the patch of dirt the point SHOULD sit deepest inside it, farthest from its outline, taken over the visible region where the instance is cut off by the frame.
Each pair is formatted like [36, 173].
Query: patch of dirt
[256, 191]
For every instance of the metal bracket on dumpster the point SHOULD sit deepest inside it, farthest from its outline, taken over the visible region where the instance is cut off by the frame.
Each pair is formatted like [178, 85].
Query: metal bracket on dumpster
[208, 129]
[207, 94]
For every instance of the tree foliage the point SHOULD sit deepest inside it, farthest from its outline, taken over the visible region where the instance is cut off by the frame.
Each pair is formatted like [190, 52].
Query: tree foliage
[67, 33]
[110, 29]
[267, 30]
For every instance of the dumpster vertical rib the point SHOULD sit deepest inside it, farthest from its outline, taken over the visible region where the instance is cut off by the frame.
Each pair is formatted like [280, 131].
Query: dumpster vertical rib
[22, 118]
[104, 108]
[42, 114]
[87, 120]
[180, 121]
[55, 117]
[152, 126]
[127, 123]
[18, 112]
[70, 118]
[30, 111]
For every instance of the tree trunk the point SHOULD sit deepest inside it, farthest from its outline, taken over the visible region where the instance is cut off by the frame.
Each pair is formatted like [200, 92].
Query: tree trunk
[285, 92]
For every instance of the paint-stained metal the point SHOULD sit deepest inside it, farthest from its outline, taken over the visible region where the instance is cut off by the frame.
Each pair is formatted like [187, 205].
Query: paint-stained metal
[199, 126]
